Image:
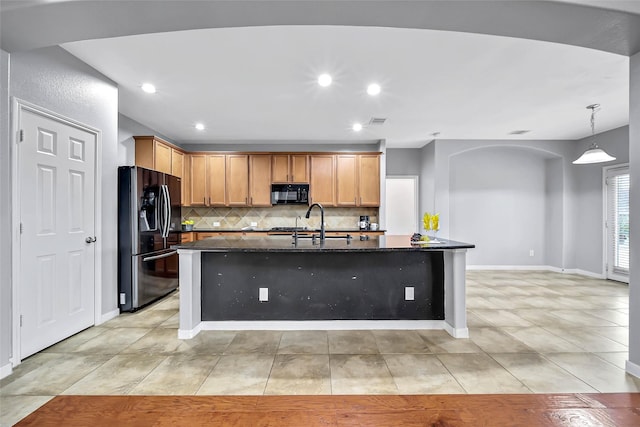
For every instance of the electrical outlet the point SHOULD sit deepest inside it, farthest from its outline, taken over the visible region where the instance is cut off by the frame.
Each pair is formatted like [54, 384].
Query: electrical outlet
[409, 293]
[263, 294]
[254, 224]
[531, 252]
[216, 223]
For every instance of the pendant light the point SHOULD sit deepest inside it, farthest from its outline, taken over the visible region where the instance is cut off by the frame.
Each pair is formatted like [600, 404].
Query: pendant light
[594, 154]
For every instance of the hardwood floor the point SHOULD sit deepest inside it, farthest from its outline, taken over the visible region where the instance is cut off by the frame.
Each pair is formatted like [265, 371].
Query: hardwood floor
[614, 410]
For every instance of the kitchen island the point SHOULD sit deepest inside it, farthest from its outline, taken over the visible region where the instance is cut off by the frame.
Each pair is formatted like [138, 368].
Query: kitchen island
[280, 282]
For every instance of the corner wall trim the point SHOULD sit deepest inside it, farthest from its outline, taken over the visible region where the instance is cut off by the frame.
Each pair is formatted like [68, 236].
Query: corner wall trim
[632, 369]
[5, 370]
[109, 315]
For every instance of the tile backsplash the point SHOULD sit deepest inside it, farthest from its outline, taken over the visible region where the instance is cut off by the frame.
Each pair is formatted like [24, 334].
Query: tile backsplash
[276, 216]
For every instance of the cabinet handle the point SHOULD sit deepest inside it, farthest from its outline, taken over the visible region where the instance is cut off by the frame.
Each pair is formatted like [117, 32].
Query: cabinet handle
[204, 201]
[287, 177]
[209, 199]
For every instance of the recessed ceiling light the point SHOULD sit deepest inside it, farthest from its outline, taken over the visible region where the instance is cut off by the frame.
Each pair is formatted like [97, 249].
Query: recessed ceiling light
[357, 127]
[199, 126]
[149, 88]
[324, 80]
[373, 89]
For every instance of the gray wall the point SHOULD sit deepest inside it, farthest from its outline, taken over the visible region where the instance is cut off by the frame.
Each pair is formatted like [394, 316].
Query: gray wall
[55, 80]
[553, 212]
[5, 215]
[634, 164]
[404, 161]
[587, 224]
[427, 180]
[127, 129]
[497, 201]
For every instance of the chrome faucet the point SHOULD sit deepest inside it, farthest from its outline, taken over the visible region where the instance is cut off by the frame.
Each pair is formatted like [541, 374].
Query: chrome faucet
[321, 218]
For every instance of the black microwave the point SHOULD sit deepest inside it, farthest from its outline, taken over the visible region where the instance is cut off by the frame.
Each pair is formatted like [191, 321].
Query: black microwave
[289, 194]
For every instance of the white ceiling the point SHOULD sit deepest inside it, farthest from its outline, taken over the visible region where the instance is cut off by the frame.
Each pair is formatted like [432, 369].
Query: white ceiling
[256, 84]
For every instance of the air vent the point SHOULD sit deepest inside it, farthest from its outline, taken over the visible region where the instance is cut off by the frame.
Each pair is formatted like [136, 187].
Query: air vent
[519, 132]
[377, 121]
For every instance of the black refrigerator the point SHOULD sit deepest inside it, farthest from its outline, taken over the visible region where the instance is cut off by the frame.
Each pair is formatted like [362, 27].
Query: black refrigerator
[148, 225]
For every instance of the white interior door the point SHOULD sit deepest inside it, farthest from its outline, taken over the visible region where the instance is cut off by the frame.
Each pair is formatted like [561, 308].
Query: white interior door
[617, 223]
[57, 255]
[402, 204]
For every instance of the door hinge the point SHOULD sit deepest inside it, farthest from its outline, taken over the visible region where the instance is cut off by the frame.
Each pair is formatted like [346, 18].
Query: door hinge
[21, 316]
[21, 135]
[21, 228]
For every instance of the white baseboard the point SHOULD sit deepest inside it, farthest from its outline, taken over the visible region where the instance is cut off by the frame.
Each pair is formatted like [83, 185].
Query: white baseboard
[187, 334]
[5, 370]
[633, 369]
[311, 325]
[456, 332]
[110, 315]
[537, 268]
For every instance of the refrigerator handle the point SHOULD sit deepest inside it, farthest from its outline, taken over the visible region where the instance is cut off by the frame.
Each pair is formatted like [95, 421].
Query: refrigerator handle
[166, 223]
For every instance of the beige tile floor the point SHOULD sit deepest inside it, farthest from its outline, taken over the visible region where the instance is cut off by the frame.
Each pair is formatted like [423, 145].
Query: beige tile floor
[531, 332]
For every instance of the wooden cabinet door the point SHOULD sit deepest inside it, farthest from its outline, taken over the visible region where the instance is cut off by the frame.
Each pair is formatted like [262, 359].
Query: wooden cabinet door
[215, 179]
[322, 182]
[186, 181]
[280, 168]
[299, 168]
[260, 180]
[177, 163]
[237, 180]
[369, 180]
[162, 154]
[198, 180]
[346, 180]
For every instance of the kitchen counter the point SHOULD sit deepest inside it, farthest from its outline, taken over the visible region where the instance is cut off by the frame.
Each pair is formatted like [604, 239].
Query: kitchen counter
[286, 243]
[270, 230]
[268, 282]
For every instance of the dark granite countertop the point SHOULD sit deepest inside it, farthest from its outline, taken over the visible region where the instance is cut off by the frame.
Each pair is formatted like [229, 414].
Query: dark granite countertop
[250, 243]
[269, 230]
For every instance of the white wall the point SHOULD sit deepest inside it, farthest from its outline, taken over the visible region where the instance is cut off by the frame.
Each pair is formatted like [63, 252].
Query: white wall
[634, 166]
[55, 80]
[497, 201]
[5, 215]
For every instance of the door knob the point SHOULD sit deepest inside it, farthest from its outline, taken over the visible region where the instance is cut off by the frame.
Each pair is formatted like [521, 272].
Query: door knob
[90, 239]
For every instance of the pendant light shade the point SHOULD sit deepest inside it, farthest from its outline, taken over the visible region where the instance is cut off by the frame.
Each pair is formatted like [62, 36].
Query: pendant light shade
[594, 154]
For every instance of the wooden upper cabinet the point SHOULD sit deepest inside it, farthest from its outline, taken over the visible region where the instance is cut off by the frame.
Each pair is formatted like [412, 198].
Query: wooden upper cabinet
[346, 180]
[322, 180]
[369, 180]
[237, 180]
[358, 180]
[280, 168]
[260, 180]
[186, 180]
[177, 163]
[155, 153]
[206, 180]
[216, 179]
[290, 168]
[198, 183]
